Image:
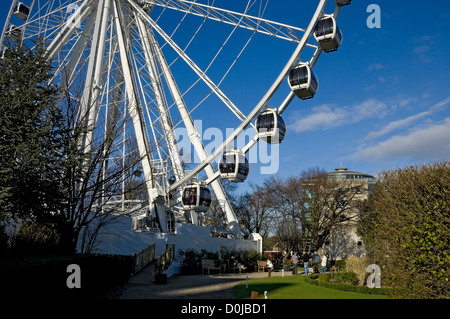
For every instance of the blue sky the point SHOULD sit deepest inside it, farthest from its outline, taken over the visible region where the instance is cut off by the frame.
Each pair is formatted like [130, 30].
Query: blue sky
[383, 99]
[384, 96]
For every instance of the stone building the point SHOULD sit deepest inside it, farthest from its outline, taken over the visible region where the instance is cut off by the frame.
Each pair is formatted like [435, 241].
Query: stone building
[345, 240]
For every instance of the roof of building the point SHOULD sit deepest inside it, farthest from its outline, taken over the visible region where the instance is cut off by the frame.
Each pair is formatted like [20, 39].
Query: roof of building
[343, 171]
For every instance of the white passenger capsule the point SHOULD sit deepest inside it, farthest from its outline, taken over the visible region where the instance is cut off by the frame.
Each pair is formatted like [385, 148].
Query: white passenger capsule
[327, 34]
[270, 126]
[196, 196]
[22, 11]
[303, 81]
[234, 166]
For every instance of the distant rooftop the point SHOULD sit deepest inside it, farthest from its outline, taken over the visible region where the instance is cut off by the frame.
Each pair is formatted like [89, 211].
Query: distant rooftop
[344, 173]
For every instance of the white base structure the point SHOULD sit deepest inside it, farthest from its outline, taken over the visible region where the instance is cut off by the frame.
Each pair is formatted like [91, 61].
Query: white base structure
[118, 238]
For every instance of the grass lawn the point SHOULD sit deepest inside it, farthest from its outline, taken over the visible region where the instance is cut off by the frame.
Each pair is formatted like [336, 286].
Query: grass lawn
[294, 287]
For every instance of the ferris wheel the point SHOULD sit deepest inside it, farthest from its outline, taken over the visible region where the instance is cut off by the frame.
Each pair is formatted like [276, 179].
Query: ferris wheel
[130, 65]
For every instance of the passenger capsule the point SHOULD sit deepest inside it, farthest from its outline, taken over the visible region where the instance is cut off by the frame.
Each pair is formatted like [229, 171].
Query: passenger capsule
[270, 126]
[342, 2]
[327, 34]
[234, 166]
[13, 33]
[196, 196]
[22, 11]
[303, 81]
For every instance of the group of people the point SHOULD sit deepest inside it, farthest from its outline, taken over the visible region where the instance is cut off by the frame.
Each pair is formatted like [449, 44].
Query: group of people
[305, 257]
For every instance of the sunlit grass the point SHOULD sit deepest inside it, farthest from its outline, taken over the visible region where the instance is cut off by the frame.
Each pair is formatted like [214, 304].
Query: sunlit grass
[294, 287]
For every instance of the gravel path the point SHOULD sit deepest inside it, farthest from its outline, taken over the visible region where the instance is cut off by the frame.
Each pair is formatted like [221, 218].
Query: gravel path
[214, 286]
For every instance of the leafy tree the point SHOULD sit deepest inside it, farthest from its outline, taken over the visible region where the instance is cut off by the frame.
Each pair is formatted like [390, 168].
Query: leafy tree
[410, 217]
[29, 137]
[51, 181]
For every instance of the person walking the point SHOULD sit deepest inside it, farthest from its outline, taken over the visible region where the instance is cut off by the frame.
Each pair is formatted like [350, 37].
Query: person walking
[294, 263]
[323, 269]
[316, 262]
[305, 258]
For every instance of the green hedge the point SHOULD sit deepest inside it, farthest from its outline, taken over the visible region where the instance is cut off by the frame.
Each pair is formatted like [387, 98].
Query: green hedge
[43, 277]
[322, 280]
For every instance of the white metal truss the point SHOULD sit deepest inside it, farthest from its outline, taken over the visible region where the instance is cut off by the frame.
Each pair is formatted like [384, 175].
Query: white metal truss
[111, 56]
[257, 24]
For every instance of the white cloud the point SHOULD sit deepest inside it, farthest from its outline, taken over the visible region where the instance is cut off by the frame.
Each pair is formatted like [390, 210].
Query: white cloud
[328, 116]
[429, 143]
[421, 49]
[426, 43]
[375, 66]
[407, 121]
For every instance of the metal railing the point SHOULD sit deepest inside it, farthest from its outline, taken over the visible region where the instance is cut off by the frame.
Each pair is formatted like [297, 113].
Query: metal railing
[165, 259]
[143, 258]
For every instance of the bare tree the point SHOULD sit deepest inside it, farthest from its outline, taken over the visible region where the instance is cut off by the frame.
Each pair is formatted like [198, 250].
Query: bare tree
[329, 205]
[286, 211]
[254, 211]
[91, 181]
[304, 211]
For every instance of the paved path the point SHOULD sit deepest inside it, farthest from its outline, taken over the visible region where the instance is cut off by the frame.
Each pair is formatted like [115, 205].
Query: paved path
[214, 286]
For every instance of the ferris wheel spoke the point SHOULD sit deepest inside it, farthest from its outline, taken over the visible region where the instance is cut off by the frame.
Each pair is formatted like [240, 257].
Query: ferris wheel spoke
[108, 59]
[164, 115]
[69, 27]
[187, 120]
[295, 56]
[245, 21]
[200, 73]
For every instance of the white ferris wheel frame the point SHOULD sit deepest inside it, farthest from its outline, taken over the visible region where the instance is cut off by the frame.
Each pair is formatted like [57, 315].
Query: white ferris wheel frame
[96, 14]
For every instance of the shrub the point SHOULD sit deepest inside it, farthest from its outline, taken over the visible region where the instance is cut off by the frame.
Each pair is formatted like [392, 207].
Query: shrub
[321, 277]
[358, 266]
[346, 277]
[315, 279]
[191, 263]
[45, 277]
[340, 264]
[409, 222]
[287, 262]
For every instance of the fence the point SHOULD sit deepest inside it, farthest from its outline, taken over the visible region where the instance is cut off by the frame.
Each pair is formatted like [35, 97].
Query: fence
[165, 259]
[143, 258]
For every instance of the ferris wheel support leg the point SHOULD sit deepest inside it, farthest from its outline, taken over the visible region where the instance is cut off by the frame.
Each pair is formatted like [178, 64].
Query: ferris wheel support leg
[148, 42]
[92, 86]
[196, 141]
[154, 193]
[75, 58]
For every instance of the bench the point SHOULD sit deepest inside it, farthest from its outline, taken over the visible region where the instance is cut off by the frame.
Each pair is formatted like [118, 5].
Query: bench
[232, 267]
[262, 265]
[208, 264]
